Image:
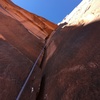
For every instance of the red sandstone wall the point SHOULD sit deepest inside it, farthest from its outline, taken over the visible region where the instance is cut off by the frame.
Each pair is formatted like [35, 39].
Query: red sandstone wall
[35, 24]
[22, 36]
[71, 68]
[70, 65]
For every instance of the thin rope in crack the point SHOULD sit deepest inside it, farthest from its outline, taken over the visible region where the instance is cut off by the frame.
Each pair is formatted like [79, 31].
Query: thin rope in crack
[27, 79]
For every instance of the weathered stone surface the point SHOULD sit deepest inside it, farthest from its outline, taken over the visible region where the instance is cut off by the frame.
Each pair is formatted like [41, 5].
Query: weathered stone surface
[86, 12]
[22, 36]
[37, 25]
[71, 67]
[18, 51]
[72, 64]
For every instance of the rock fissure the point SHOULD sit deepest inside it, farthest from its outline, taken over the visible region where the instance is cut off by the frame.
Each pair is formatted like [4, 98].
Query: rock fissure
[68, 67]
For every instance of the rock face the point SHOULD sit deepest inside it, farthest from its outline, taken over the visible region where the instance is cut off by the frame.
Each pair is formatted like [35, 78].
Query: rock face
[86, 12]
[22, 36]
[72, 64]
[35, 24]
[69, 68]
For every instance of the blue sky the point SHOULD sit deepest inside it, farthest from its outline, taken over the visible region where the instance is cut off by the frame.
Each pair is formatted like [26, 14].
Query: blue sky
[53, 10]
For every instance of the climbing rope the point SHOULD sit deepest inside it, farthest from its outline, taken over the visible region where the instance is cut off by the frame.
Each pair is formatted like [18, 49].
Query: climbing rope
[27, 79]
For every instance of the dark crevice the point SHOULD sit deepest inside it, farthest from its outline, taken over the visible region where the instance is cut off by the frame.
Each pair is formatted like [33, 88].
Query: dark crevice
[41, 64]
[42, 83]
[41, 92]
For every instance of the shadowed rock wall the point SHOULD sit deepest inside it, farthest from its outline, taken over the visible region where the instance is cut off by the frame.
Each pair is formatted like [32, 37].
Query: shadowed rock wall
[71, 68]
[18, 51]
[22, 37]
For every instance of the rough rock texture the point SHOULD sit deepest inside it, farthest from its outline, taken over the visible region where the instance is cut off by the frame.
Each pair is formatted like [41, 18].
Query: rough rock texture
[69, 69]
[35, 24]
[72, 64]
[22, 36]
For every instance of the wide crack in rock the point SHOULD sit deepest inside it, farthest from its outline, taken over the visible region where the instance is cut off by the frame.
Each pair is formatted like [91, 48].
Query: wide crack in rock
[68, 69]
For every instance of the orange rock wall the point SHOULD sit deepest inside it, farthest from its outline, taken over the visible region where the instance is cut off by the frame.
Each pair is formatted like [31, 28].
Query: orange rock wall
[69, 68]
[22, 37]
[35, 24]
